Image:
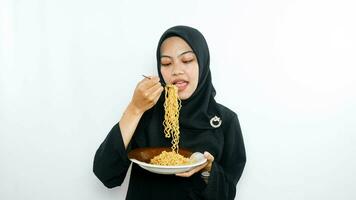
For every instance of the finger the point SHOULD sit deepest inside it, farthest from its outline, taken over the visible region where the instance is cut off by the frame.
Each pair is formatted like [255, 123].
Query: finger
[149, 82]
[155, 79]
[210, 159]
[154, 88]
[146, 83]
[147, 92]
[193, 171]
[152, 93]
[208, 156]
[190, 173]
[185, 174]
[157, 93]
[153, 98]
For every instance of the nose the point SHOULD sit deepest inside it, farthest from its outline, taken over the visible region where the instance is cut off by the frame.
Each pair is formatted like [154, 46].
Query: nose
[177, 69]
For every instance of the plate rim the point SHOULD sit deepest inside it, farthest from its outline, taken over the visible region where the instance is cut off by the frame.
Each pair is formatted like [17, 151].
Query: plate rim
[168, 166]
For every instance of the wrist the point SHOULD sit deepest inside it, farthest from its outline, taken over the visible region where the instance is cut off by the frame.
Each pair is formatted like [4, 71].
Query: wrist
[205, 176]
[134, 110]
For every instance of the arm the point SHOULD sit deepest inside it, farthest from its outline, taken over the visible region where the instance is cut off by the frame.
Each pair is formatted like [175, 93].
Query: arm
[146, 95]
[129, 122]
[111, 162]
[226, 173]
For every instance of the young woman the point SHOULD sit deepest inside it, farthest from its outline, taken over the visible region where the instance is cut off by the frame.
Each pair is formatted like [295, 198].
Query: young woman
[205, 126]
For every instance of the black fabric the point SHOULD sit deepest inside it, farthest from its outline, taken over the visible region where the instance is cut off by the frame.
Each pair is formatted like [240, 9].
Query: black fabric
[225, 143]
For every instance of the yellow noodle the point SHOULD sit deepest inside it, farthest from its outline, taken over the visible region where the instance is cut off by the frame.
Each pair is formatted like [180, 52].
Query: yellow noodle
[170, 158]
[172, 106]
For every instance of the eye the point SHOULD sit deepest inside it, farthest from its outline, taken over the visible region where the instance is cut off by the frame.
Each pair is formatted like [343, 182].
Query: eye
[165, 64]
[165, 61]
[188, 60]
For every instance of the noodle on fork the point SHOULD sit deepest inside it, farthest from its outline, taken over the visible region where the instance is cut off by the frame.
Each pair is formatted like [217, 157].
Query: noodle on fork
[172, 106]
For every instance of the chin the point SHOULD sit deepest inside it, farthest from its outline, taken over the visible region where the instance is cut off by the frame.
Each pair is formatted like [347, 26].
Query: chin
[184, 96]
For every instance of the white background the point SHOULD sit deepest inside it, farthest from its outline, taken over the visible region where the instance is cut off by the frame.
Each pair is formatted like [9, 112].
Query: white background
[68, 69]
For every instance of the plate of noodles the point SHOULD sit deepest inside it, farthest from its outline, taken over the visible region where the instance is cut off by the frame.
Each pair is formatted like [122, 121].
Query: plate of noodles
[162, 160]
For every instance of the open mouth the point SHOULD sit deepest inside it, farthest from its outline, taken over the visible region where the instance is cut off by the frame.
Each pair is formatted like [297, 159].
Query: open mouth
[181, 84]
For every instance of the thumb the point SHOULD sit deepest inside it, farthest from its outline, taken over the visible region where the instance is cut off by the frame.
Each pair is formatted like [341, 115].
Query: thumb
[208, 156]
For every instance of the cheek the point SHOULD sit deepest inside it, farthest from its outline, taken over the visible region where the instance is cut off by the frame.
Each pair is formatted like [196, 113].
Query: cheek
[165, 73]
[194, 74]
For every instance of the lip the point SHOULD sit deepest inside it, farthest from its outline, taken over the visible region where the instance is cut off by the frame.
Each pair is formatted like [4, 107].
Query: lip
[181, 84]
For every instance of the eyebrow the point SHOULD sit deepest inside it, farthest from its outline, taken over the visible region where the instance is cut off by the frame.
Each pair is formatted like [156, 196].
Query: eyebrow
[178, 55]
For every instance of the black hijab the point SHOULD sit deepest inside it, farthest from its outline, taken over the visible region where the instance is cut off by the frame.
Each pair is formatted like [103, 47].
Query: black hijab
[200, 108]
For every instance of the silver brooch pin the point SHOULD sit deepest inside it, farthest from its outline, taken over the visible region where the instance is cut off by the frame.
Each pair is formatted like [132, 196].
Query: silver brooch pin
[215, 122]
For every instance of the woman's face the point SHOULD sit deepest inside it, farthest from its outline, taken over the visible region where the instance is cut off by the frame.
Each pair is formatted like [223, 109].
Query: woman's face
[179, 66]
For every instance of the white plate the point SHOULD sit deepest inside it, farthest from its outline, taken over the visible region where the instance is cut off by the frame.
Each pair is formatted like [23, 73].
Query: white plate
[159, 169]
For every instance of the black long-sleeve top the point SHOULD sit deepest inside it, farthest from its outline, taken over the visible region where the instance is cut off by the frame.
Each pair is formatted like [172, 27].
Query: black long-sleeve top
[224, 143]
